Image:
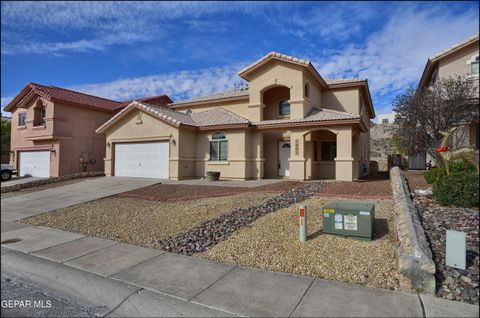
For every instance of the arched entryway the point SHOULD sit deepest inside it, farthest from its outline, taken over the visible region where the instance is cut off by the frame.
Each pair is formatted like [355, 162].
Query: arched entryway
[277, 102]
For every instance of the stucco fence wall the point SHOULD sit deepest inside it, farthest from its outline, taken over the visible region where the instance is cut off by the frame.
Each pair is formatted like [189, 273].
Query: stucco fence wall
[36, 183]
[415, 263]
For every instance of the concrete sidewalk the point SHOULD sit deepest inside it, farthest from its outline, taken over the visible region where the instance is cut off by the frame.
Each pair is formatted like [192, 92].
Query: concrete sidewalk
[18, 207]
[125, 280]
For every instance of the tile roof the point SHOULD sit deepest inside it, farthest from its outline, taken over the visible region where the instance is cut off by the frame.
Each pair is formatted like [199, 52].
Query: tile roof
[218, 117]
[147, 99]
[69, 96]
[213, 117]
[244, 92]
[280, 56]
[317, 114]
[221, 95]
[334, 81]
[455, 46]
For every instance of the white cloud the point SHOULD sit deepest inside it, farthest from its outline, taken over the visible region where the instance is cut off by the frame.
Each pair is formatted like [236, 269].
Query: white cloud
[178, 85]
[394, 57]
[98, 25]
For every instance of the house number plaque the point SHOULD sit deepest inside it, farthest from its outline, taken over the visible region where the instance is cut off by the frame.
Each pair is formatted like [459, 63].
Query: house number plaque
[297, 151]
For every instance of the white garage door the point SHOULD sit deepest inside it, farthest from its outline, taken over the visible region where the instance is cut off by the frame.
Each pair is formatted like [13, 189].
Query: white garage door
[34, 163]
[146, 159]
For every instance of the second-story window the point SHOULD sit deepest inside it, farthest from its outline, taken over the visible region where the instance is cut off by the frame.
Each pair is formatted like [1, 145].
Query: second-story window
[39, 113]
[307, 90]
[284, 108]
[385, 121]
[22, 117]
[474, 66]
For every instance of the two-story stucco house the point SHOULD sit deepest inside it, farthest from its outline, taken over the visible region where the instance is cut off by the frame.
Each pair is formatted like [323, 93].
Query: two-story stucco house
[53, 130]
[460, 59]
[289, 123]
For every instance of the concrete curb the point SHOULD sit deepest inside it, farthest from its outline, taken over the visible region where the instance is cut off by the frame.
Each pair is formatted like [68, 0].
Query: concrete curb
[415, 263]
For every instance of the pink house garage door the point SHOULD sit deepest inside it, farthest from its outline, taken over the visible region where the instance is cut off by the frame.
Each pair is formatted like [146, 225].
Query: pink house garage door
[34, 163]
[143, 159]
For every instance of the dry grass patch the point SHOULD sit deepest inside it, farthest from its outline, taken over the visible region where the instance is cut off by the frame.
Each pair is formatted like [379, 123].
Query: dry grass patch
[141, 222]
[272, 243]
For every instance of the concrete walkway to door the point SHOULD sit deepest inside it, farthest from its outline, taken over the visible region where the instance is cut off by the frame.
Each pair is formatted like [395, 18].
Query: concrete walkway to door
[34, 203]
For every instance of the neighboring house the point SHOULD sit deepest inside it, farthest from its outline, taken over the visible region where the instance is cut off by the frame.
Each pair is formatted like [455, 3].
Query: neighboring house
[53, 130]
[5, 140]
[386, 118]
[460, 59]
[289, 123]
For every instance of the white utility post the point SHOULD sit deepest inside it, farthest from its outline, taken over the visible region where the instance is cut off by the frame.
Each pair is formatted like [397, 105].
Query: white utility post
[303, 223]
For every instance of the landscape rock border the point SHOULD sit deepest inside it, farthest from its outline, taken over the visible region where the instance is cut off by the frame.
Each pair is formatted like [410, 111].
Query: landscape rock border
[415, 261]
[200, 238]
[67, 177]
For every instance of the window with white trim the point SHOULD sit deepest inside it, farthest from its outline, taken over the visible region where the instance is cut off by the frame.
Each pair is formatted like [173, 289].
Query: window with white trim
[218, 147]
[284, 108]
[474, 66]
[22, 117]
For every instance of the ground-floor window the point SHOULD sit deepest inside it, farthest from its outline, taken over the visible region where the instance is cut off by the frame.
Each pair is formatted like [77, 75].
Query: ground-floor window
[218, 147]
[329, 150]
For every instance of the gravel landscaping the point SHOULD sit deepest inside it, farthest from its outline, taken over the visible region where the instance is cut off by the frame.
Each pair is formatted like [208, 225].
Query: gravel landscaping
[272, 243]
[210, 233]
[452, 283]
[373, 187]
[182, 192]
[141, 222]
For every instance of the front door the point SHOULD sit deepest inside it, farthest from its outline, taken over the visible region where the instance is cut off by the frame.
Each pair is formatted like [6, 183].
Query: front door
[283, 156]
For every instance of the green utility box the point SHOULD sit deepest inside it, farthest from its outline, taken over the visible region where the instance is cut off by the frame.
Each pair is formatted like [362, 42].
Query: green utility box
[353, 219]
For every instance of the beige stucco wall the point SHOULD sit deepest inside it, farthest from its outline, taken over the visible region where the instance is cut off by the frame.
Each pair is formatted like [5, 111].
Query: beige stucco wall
[342, 99]
[69, 131]
[238, 165]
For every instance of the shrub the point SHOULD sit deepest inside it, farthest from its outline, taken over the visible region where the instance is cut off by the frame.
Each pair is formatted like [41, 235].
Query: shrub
[459, 188]
[432, 174]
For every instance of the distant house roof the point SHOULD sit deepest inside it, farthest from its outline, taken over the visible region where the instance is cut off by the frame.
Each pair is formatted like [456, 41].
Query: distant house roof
[67, 96]
[220, 117]
[162, 99]
[433, 60]
[63, 95]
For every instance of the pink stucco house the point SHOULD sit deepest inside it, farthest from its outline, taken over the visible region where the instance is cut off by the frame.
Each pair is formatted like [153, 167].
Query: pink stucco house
[53, 130]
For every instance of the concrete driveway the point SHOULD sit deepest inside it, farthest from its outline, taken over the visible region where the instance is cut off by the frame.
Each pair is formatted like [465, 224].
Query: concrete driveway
[34, 203]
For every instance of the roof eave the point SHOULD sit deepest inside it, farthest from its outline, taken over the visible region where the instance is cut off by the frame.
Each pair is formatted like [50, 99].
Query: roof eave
[209, 101]
[311, 123]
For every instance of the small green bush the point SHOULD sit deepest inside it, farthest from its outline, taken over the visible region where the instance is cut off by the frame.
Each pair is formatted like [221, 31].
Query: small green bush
[459, 188]
[431, 175]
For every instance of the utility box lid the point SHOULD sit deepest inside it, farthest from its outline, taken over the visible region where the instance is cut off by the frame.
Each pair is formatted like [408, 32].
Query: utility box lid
[355, 219]
[350, 206]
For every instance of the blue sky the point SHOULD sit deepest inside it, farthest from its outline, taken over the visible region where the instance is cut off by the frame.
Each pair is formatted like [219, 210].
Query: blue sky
[124, 50]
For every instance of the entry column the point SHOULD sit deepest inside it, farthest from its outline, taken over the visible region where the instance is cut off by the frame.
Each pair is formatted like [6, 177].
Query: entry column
[344, 159]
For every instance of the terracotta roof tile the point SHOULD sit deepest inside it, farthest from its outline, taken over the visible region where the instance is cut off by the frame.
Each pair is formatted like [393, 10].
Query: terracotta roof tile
[221, 95]
[455, 46]
[333, 81]
[217, 117]
[316, 115]
[69, 96]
